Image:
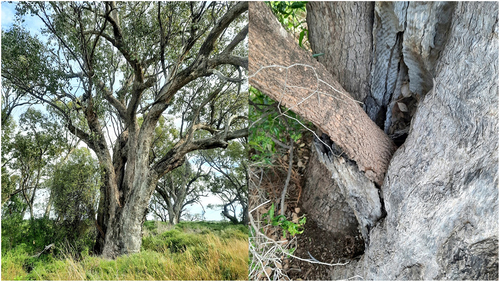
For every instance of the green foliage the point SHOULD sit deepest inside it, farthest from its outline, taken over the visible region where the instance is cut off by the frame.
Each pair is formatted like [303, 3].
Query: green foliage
[27, 57]
[271, 125]
[286, 225]
[75, 185]
[16, 204]
[8, 180]
[30, 152]
[291, 14]
[31, 236]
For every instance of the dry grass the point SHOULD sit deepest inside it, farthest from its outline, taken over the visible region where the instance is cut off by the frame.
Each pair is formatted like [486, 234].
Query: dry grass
[206, 256]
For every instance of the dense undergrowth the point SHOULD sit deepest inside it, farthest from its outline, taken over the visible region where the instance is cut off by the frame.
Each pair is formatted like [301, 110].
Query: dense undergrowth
[188, 251]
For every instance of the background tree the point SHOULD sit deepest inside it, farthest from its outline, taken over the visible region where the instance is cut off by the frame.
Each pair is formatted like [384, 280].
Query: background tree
[230, 180]
[107, 64]
[33, 148]
[176, 190]
[8, 183]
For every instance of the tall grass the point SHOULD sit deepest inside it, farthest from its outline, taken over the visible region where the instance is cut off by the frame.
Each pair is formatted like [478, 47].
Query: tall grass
[187, 252]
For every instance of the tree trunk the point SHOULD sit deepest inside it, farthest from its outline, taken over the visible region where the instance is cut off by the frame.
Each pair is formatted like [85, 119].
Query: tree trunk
[174, 213]
[343, 32]
[440, 59]
[312, 92]
[228, 215]
[441, 195]
[245, 220]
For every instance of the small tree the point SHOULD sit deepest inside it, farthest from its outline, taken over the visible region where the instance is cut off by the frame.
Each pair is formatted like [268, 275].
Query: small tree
[32, 150]
[75, 186]
[75, 192]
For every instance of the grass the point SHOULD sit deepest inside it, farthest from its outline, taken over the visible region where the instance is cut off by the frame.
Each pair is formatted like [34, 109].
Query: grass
[188, 251]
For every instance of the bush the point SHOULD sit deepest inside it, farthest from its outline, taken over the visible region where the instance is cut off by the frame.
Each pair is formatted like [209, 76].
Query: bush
[33, 235]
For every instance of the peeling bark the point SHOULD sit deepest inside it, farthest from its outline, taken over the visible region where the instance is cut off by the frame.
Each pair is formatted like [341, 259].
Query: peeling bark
[440, 59]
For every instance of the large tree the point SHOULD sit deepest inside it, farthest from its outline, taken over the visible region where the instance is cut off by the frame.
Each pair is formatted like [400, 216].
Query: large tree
[431, 84]
[105, 64]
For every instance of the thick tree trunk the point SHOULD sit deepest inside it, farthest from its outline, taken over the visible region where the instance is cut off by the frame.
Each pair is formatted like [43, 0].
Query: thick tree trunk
[312, 92]
[124, 228]
[441, 195]
[174, 213]
[440, 59]
[342, 31]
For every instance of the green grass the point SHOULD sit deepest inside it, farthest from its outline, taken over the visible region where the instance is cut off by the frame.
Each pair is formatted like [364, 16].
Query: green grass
[188, 251]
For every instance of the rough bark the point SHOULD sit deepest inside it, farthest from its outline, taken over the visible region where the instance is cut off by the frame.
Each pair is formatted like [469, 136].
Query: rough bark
[323, 201]
[272, 68]
[441, 193]
[343, 32]
[360, 194]
[441, 189]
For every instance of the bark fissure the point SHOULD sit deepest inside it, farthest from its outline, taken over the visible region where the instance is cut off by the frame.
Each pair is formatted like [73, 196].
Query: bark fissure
[432, 201]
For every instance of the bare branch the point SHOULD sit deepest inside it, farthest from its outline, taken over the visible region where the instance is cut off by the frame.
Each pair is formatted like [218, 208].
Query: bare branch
[113, 101]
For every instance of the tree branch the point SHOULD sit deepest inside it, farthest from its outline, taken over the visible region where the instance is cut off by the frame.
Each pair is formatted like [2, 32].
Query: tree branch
[228, 59]
[236, 40]
[209, 43]
[278, 61]
[122, 111]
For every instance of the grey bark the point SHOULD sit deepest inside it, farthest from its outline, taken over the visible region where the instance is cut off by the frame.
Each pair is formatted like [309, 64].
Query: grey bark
[343, 32]
[441, 189]
[323, 200]
[360, 194]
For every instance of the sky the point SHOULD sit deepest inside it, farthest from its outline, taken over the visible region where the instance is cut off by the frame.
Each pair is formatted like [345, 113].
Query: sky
[7, 14]
[33, 25]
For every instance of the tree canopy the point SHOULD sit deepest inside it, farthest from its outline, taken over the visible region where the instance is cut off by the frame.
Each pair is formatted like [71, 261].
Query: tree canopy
[118, 75]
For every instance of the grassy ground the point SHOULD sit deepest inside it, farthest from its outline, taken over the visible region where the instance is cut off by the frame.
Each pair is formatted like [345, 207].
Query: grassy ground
[188, 251]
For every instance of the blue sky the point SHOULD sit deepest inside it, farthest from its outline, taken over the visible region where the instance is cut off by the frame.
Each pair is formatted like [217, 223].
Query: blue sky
[32, 24]
[7, 14]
